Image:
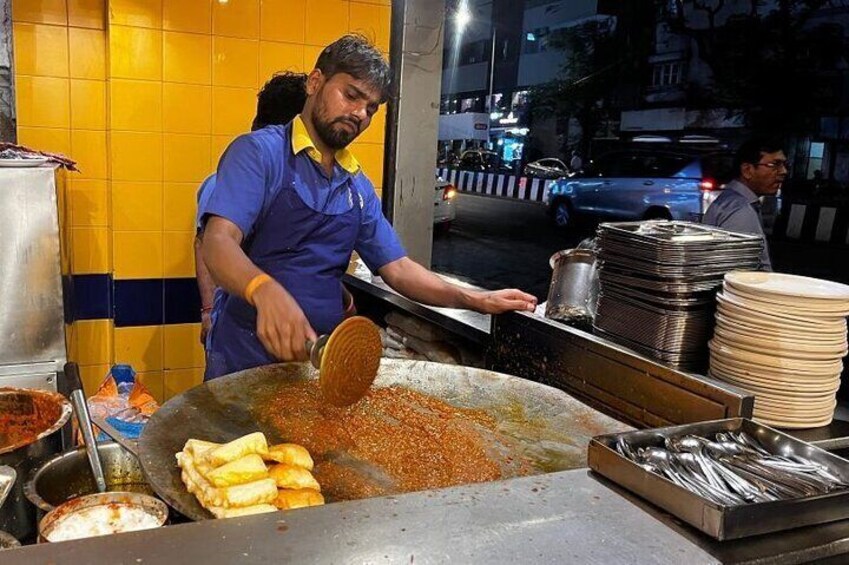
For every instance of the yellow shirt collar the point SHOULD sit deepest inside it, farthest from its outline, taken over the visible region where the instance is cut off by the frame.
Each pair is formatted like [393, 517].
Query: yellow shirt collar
[301, 141]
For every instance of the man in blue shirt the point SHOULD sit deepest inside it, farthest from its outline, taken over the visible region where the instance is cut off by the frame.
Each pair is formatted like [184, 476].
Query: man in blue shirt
[761, 168]
[281, 99]
[289, 206]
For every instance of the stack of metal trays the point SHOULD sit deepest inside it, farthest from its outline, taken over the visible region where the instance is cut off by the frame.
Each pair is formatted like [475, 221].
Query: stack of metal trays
[658, 280]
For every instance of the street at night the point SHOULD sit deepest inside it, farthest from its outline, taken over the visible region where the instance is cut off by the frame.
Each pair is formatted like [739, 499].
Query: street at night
[497, 243]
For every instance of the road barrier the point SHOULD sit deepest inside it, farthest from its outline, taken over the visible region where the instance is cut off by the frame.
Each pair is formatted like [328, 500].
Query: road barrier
[814, 222]
[500, 185]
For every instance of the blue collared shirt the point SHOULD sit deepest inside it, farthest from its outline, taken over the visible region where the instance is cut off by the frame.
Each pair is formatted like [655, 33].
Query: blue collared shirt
[738, 209]
[204, 193]
[250, 176]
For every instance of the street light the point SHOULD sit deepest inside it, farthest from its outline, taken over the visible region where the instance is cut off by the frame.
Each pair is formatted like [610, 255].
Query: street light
[462, 17]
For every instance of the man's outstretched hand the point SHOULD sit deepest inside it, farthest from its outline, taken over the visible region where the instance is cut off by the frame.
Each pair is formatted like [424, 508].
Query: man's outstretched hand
[506, 300]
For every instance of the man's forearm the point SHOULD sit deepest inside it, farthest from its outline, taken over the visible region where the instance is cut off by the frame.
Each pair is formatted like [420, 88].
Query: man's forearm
[422, 285]
[206, 286]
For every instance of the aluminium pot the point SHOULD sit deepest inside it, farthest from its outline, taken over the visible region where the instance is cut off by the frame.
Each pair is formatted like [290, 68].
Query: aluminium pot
[573, 292]
[114, 502]
[30, 424]
[68, 475]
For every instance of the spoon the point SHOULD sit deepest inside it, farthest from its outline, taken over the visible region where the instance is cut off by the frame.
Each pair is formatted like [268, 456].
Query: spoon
[692, 444]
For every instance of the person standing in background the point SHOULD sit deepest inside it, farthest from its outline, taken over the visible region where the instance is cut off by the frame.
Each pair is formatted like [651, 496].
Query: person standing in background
[761, 167]
[281, 99]
[576, 163]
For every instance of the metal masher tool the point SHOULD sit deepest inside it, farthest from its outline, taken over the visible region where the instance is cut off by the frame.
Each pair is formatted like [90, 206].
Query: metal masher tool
[347, 360]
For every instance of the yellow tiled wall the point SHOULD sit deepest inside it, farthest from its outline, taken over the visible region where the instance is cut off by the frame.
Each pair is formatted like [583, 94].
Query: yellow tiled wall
[146, 95]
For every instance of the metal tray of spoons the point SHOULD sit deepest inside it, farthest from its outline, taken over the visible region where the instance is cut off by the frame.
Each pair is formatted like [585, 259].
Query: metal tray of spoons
[775, 483]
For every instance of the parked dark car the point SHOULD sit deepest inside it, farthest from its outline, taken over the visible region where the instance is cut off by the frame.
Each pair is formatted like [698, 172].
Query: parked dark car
[479, 160]
[548, 168]
[641, 184]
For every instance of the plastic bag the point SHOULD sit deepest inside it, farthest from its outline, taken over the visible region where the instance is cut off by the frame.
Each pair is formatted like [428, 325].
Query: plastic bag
[123, 401]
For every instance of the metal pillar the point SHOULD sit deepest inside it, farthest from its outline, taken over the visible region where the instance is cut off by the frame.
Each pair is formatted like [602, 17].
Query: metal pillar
[412, 122]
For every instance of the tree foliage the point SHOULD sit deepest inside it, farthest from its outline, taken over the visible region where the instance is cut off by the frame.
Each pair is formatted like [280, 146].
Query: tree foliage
[603, 58]
[780, 63]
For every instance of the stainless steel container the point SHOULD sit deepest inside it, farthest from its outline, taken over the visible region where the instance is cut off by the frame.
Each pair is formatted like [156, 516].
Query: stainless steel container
[68, 475]
[30, 421]
[717, 521]
[573, 292]
[33, 347]
[150, 505]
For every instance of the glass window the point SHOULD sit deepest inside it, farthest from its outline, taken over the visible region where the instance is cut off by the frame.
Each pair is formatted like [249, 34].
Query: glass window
[474, 52]
[667, 74]
[816, 155]
[535, 41]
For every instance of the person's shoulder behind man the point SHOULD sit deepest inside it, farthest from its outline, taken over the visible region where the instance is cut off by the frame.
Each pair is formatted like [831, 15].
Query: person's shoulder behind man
[727, 203]
[203, 196]
[271, 137]
[732, 211]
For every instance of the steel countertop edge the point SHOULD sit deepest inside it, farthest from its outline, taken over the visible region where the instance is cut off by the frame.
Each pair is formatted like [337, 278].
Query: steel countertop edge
[567, 517]
[471, 325]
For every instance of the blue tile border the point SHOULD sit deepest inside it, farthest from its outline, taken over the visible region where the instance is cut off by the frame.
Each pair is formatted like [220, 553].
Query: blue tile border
[136, 302]
[87, 297]
[182, 301]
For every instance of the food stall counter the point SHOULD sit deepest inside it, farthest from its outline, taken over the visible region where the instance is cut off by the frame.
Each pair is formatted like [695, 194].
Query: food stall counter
[571, 516]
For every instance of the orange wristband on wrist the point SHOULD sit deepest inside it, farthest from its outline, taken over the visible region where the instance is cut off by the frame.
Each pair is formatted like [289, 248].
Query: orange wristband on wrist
[255, 283]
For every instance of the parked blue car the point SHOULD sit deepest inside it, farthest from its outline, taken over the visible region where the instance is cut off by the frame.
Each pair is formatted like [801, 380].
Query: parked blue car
[641, 184]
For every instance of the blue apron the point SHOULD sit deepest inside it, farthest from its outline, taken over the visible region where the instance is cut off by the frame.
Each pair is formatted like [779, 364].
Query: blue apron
[304, 250]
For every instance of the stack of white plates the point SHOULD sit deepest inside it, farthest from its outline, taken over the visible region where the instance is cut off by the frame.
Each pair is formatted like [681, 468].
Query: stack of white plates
[782, 338]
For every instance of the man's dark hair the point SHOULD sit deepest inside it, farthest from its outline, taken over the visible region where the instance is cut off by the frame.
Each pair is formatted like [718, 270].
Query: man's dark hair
[280, 100]
[355, 55]
[752, 149]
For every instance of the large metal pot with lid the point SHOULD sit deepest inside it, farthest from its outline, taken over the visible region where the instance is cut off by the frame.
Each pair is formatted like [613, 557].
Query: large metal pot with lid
[30, 421]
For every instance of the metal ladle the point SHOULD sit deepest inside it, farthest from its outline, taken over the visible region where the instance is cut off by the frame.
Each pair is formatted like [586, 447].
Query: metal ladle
[72, 373]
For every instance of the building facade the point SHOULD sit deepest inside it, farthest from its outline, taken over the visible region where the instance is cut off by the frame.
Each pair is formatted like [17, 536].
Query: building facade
[492, 60]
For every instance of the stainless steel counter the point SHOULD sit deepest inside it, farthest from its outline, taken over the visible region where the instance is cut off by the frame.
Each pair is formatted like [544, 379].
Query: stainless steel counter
[470, 325]
[568, 517]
